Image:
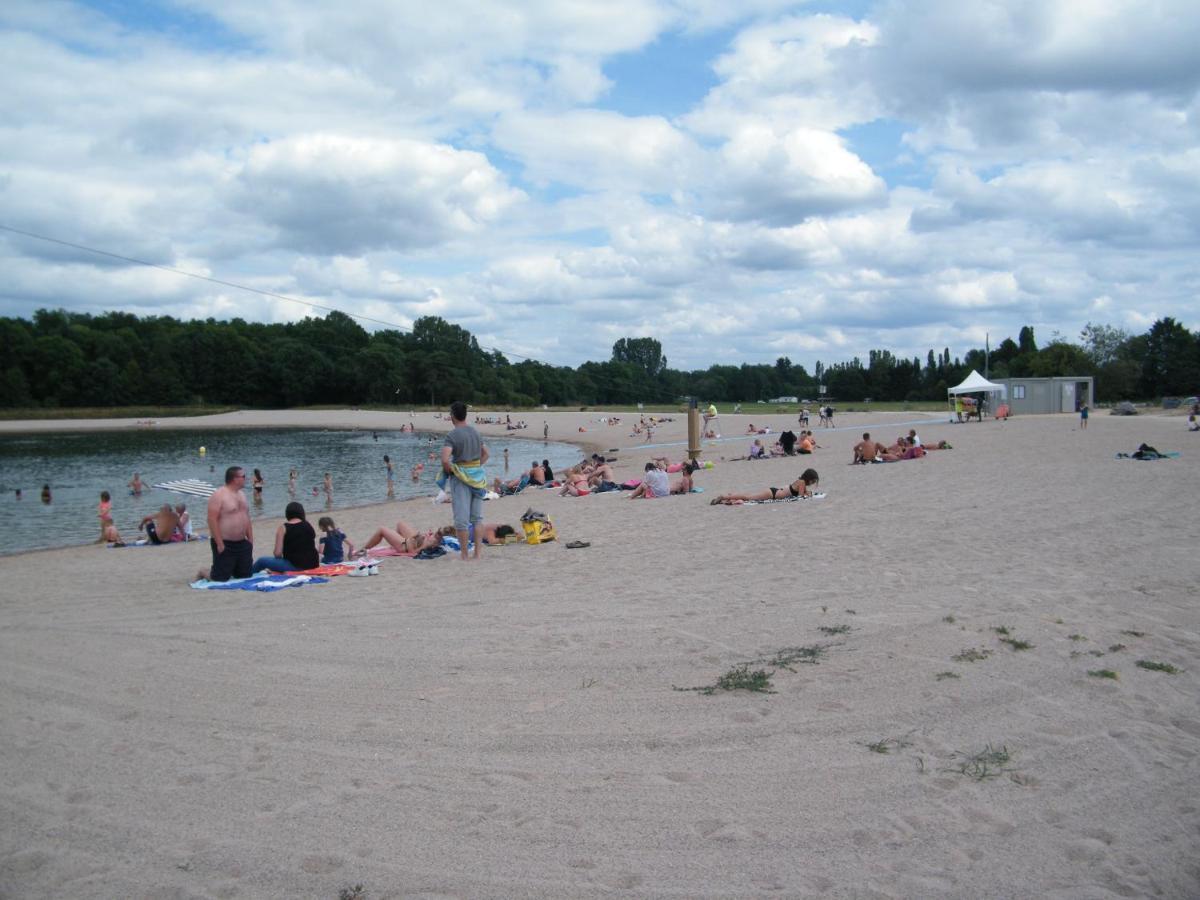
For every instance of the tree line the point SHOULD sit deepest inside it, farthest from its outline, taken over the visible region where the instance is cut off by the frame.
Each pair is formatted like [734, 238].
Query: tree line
[66, 359]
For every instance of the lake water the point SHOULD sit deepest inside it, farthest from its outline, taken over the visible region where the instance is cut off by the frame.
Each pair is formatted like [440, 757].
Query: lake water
[79, 465]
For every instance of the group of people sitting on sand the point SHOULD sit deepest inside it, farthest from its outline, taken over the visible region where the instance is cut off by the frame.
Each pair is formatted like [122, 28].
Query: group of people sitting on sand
[539, 474]
[906, 447]
[297, 548]
[788, 444]
[656, 483]
[593, 475]
[166, 526]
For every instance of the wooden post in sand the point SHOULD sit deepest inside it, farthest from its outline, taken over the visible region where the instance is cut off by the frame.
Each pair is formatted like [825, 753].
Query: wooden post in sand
[693, 429]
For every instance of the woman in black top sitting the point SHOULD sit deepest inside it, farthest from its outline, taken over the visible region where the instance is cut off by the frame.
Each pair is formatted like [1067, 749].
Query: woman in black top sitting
[295, 544]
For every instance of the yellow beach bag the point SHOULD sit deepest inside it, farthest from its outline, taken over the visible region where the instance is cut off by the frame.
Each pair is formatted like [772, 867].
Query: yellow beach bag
[539, 532]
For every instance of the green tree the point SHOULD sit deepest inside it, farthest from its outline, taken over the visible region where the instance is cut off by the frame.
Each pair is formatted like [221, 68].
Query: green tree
[1103, 343]
[1025, 341]
[644, 352]
[1060, 358]
[1170, 360]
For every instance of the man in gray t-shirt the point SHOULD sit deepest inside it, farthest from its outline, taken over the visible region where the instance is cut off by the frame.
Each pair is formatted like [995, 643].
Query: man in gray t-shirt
[465, 449]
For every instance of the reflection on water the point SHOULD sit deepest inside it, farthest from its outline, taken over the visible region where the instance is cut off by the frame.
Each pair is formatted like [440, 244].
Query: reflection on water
[333, 470]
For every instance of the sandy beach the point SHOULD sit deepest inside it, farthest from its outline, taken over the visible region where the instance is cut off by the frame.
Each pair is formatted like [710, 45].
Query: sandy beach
[513, 727]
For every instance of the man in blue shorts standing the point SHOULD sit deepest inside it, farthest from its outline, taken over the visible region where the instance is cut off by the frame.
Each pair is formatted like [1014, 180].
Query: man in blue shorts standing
[463, 456]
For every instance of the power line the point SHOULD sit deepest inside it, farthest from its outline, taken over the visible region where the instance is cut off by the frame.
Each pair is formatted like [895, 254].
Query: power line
[265, 293]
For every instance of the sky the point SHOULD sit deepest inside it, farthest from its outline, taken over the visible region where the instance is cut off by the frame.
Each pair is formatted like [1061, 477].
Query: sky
[809, 180]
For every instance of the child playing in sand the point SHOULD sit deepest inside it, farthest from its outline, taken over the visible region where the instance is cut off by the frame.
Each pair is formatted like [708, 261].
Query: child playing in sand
[334, 543]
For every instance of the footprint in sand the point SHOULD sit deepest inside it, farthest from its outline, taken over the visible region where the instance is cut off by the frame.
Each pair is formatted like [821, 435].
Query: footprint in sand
[321, 865]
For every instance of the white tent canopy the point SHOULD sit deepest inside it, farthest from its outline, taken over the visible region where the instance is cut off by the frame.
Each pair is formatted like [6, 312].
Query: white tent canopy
[977, 384]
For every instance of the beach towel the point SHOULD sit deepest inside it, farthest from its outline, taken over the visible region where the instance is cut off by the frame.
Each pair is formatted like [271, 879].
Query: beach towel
[258, 582]
[470, 473]
[146, 542]
[788, 499]
[386, 550]
[330, 569]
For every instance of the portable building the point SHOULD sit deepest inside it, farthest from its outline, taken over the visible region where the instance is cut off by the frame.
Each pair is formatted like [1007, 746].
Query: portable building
[1049, 395]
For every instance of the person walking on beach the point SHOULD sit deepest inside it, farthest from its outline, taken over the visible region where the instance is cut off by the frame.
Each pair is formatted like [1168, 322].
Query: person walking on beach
[231, 534]
[391, 475]
[464, 455]
[1083, 417]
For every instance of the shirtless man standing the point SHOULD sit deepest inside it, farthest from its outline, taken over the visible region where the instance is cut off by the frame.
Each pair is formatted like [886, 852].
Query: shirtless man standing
[232, 538]
[160, 526]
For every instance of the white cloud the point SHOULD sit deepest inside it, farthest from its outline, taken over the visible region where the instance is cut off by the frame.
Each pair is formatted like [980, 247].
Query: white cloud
[400, 159]
[335, 195]
[784, 179]
[788, 73]
[599, 150]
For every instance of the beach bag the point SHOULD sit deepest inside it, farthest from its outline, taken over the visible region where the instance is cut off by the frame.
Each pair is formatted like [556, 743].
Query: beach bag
[538, 527]
[539, 532]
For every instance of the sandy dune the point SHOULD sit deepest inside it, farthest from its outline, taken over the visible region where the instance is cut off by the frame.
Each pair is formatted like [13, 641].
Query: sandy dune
[511, 728]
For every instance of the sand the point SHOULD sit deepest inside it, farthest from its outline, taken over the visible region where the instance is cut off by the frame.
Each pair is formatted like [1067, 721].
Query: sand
[511, 727]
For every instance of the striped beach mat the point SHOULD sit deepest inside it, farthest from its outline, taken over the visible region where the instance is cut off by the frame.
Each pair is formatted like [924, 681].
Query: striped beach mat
[192, 486]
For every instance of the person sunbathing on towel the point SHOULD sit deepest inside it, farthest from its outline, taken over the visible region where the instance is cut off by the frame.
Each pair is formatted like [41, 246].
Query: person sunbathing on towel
[515, 486]
[801, 487]
[903, 449]
[404, 538]
[494, 534]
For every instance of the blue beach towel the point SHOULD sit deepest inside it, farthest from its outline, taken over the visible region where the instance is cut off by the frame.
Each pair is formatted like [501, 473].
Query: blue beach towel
[261, 582]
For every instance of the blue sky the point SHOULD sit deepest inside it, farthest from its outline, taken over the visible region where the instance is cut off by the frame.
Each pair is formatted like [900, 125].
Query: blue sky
[776, 179]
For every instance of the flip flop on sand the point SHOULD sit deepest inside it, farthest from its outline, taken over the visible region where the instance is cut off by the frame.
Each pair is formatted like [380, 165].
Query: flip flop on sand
[577, 545]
